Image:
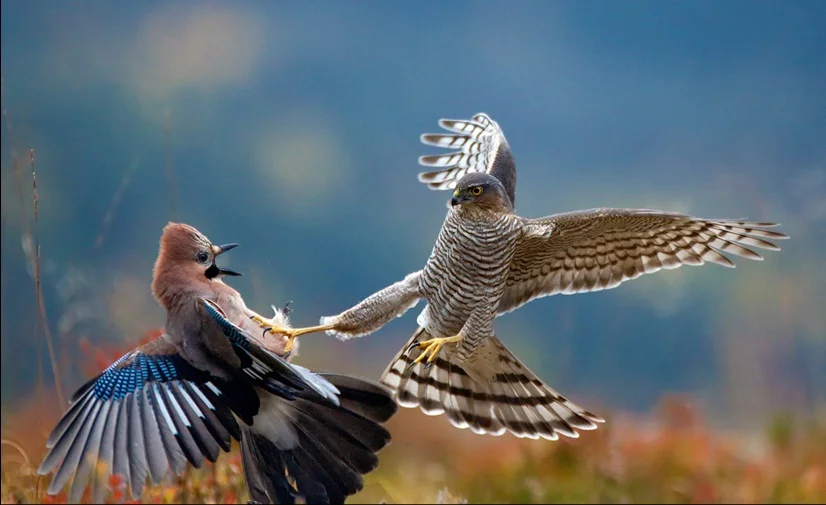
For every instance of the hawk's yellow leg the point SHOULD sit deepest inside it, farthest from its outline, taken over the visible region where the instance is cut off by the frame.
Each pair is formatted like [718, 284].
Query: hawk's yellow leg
[432, 347]
[290, 333]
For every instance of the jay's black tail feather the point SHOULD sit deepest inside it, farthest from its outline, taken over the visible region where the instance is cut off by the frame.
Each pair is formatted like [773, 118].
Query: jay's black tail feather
[333, 446]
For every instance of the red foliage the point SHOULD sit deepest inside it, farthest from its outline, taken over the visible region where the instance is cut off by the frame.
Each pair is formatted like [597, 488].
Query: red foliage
[60, 497]
[101, 355]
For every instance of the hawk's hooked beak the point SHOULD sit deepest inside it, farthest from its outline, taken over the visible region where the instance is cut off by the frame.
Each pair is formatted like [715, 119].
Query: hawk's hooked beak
[457, 199]
[214, 270]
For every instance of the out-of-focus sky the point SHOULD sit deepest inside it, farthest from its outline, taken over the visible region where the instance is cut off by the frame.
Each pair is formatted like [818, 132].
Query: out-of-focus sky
[292, 128]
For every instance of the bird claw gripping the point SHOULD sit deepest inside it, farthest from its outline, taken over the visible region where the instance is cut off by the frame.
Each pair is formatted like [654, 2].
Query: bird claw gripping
[291, 333]
[270, 327]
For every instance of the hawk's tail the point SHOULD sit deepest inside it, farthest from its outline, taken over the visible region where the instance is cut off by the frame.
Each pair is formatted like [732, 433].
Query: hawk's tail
[503, 395]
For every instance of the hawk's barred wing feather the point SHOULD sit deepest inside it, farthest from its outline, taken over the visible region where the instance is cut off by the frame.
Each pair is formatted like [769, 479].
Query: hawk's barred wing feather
[480, 146]
[598, 249]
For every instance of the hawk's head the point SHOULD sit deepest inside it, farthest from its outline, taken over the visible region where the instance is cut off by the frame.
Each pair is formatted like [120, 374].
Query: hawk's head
[481, 190]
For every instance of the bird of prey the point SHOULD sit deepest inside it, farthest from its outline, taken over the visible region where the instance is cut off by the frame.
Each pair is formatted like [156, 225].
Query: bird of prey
[210, 378]
[488, 261]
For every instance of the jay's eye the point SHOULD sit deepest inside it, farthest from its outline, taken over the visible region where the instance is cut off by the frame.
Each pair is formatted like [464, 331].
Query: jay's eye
[202, 257]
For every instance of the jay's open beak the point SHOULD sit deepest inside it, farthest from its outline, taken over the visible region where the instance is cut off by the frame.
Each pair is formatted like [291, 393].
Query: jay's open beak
[214, 270]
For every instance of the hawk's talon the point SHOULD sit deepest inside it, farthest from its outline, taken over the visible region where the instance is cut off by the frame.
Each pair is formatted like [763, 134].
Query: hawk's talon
[290, 333]
[410, 348]
[286, 310]
[431, 347]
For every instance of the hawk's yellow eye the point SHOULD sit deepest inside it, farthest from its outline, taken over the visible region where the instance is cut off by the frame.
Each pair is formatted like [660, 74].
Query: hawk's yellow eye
[476, 190]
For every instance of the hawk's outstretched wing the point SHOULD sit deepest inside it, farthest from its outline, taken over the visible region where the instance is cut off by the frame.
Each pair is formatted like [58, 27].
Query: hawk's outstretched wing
[598, 249]
[481, 148]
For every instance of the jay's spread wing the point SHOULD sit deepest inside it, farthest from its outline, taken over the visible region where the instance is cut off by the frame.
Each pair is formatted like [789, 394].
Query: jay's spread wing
[148, 412]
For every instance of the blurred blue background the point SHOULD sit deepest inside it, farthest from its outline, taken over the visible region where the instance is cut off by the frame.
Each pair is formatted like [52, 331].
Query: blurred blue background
[292, 128]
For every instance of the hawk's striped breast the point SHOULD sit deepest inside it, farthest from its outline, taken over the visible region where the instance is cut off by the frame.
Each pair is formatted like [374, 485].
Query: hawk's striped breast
[467, 267]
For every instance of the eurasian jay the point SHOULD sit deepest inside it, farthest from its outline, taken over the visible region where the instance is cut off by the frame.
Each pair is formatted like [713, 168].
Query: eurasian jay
[209, 378]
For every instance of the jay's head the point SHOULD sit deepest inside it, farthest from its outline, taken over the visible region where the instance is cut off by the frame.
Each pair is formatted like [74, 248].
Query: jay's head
[186, 255]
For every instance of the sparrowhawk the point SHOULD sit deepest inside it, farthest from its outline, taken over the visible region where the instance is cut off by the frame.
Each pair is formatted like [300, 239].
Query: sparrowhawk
[487, 261]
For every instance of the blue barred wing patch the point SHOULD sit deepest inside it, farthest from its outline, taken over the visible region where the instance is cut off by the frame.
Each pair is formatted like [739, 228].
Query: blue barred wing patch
[133, 371]
[146, 414]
